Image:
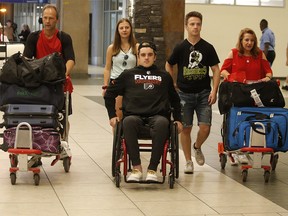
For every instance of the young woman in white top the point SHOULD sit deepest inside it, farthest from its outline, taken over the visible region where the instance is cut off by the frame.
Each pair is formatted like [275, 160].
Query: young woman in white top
[121, 55]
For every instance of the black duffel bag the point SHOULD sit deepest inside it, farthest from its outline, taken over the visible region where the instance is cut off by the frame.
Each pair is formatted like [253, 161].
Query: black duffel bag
[238, 94]
[32, 73]
[51, 68]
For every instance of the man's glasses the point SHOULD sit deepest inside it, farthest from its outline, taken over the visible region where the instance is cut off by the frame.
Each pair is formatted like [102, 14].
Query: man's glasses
[125, 60]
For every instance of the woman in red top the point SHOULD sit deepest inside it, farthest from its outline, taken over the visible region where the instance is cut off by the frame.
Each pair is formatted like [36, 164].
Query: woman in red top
[246, 63]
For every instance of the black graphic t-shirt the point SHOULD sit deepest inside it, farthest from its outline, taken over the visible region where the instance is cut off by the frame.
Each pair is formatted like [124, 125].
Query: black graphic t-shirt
[193, 65]
[146, 92]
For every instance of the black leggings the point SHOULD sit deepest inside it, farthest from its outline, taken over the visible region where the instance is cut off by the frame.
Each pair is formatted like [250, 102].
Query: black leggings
[159, 131]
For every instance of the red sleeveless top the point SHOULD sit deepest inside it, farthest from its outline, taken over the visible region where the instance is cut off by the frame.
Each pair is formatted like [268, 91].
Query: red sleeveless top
[251, 68]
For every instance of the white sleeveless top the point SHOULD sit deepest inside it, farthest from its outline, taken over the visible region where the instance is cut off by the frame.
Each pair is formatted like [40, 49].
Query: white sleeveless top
[120, 63]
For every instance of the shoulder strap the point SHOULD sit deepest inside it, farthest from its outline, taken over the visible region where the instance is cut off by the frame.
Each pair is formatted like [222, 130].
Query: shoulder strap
[38, 33]
[59, 35]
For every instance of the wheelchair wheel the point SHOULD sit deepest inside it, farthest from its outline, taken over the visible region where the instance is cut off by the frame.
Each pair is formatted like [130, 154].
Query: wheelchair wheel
[174, 150]
[116, 140]
[117, 172]
[171, 182]
[117, 179]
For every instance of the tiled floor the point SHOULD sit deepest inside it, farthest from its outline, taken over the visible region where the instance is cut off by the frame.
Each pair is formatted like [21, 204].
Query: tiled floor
[88, 189]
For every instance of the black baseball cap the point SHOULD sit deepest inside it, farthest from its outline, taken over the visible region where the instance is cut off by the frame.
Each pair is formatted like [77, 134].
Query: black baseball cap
[147, 44]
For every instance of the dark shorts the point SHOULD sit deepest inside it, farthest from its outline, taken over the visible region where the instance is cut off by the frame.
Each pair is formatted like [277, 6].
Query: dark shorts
[195, 102]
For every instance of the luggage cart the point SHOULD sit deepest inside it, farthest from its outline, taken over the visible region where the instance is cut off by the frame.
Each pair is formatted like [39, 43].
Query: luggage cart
[26, 118]
[260, 153]
[22, 149]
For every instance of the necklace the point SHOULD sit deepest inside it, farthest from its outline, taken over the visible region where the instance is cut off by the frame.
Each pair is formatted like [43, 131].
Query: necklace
[247, 59]
[126, 49]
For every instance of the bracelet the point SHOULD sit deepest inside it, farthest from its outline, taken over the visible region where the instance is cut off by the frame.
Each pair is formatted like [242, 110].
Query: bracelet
[269, 77]
[104, 87]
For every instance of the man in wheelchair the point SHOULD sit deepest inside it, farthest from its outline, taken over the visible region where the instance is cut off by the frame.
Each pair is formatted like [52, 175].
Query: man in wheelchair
[149, 97]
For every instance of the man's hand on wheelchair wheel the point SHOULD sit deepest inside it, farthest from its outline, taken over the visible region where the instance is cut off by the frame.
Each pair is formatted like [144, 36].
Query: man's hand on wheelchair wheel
[179, 126]
[113, 121]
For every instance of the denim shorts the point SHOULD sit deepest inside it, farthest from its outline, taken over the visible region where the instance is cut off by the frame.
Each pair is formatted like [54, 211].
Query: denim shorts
[195, 102]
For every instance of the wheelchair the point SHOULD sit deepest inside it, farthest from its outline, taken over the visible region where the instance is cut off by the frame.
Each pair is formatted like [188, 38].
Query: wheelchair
[169, 157]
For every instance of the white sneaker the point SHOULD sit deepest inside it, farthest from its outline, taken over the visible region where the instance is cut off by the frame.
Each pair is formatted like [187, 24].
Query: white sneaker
[243, 159]
[151, 176]
[200, 159]
[135, 176]
[189, 167]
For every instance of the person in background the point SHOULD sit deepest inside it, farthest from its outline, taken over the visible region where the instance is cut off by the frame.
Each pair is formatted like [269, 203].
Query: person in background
[267, 41]
[194, 56]
[120, 55]
[9, 31]
[3, 38]
[285, 85]
[25, 31]
[148, 95]
[247, 64]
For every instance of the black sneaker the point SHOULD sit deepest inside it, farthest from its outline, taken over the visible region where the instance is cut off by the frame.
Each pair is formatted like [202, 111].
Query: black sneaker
[285, 88]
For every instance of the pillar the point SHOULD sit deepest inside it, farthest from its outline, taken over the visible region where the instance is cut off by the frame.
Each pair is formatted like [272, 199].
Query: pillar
[162, 22]
[97, 32]
[75, 19]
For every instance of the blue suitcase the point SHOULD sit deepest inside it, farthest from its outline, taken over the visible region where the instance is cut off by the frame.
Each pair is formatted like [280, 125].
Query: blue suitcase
[240, 121]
